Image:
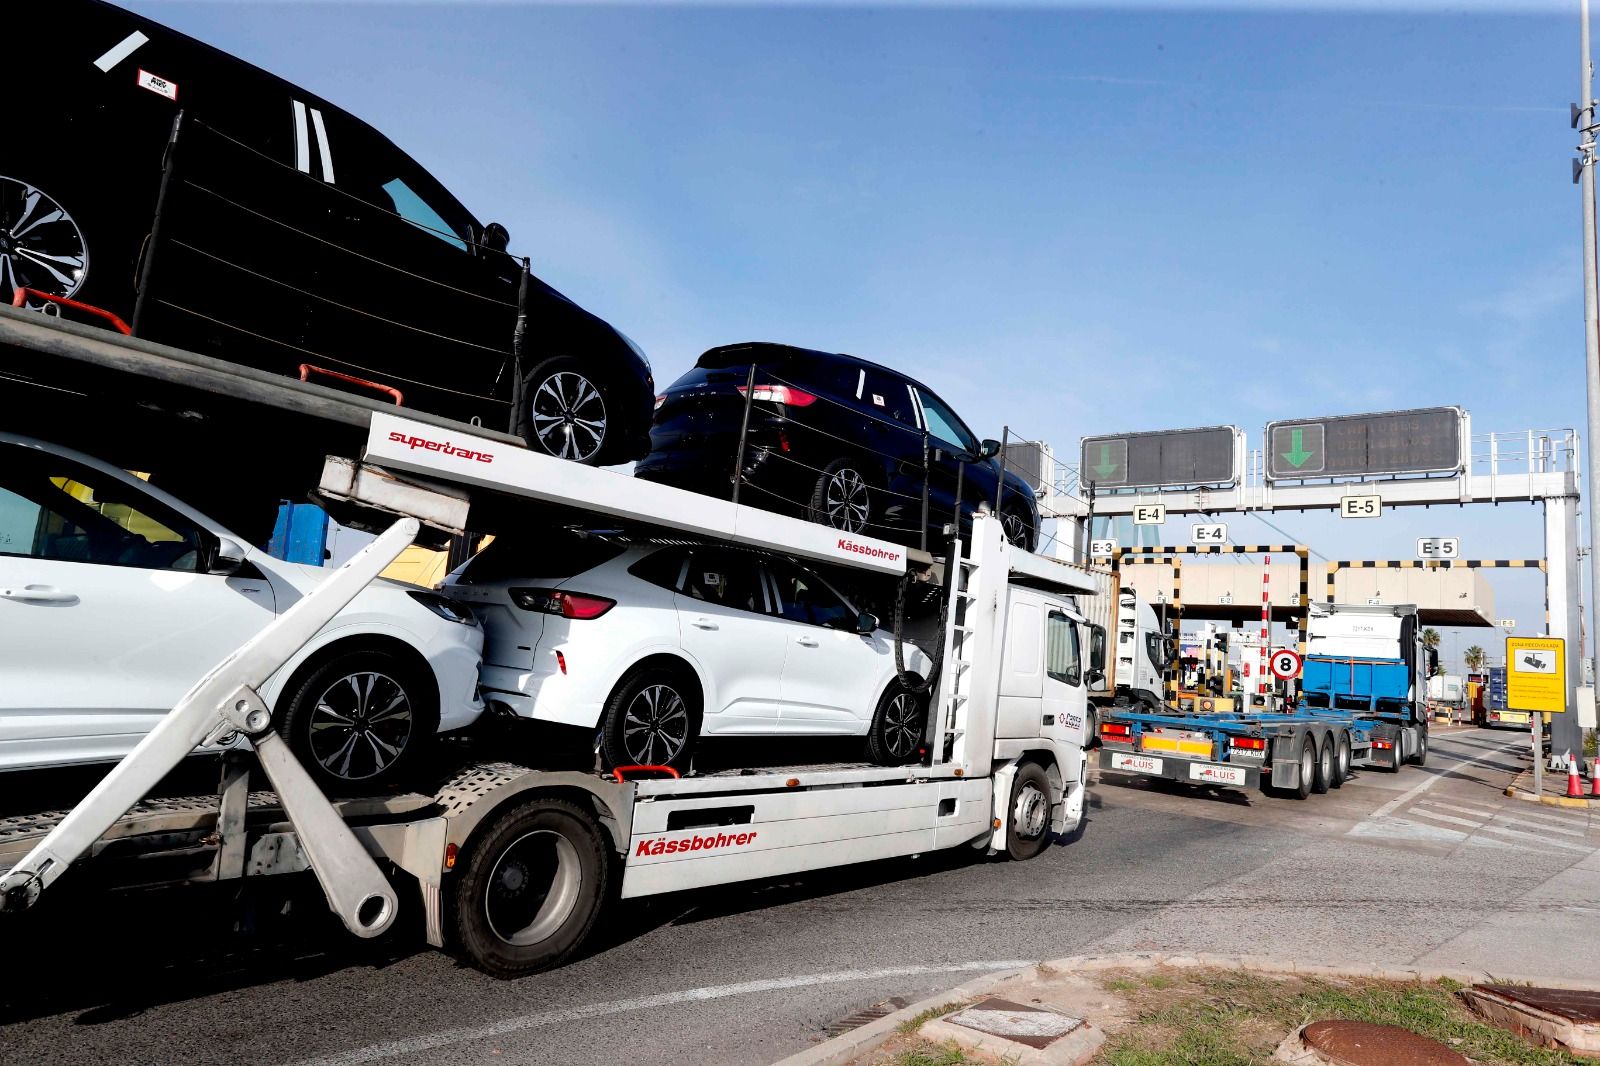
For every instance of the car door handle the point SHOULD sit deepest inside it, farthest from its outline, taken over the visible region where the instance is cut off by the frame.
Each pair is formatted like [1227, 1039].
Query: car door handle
[38, 594]
[806, 642]
[703, 623]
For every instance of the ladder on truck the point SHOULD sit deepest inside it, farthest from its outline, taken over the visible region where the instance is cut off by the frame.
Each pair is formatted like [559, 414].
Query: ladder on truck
[969, 672]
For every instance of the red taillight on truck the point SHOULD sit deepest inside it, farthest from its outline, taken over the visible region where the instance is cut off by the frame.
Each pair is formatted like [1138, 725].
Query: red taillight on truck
[1115, 731]
[1382, 745]
[785, 394]
[557, 601]
[1249, 743]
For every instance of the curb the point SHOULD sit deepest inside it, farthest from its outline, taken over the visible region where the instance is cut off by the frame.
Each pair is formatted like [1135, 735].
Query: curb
[841, 1049]
[1515, 791]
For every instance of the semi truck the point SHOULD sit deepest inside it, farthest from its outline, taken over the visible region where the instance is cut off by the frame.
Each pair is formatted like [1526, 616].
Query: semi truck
[1363, 702]
[1496, 714]
[1144, 653]
[513, 863]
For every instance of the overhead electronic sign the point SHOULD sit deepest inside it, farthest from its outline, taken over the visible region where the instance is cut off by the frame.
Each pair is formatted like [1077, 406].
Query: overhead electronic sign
[1169, 457]
[1427, 441]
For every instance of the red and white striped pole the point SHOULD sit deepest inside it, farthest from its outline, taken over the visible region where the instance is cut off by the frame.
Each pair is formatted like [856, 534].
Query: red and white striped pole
[1266, 622]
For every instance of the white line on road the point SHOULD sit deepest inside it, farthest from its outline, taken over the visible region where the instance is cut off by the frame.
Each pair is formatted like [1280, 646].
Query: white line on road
[1534, 838]
[1428, 782]
[446, 1037]
[1516, 820]
[1572, 818]
[1422, 812]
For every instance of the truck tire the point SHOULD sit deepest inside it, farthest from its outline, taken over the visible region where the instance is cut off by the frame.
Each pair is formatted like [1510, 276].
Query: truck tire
[1341, 760]
[1322, 777]
[532, 887]
[1307, 758]
[1028, 813]
[1421, 757]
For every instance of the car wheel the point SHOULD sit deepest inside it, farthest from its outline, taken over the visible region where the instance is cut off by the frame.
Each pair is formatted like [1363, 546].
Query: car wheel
[564, 412]
[842, 497]
[360, 720]
[896, 734]
[41, 247]
[1028, 828]
[652, 719]
[1018, 528]
[533, 887]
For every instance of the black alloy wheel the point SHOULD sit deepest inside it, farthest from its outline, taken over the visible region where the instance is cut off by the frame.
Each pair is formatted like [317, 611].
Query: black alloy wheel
[41, 246]
[566, 414]
[896, 733]
[842, 498]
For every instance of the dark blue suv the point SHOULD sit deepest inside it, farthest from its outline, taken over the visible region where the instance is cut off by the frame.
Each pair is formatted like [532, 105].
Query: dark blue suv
[834, 438]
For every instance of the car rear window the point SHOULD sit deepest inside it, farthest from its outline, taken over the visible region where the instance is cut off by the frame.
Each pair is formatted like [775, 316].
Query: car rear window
[555, 554]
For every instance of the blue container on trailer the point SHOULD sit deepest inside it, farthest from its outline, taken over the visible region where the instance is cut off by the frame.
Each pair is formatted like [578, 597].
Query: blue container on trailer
[1367, 680]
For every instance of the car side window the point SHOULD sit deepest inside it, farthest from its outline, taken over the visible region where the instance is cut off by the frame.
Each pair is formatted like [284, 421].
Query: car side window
[51, 508]
[943, 423]
[802, 597]
[725, 578]
[664, 568]
[415, 210]
[887, 396]
[1062, 660]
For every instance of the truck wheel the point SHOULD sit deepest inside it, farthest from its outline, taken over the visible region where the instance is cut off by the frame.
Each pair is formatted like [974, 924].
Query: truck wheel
[1028, 813]
[1308, 768]
[1322, 778]
[1341, 760]
[1421, 757]
[532, 888]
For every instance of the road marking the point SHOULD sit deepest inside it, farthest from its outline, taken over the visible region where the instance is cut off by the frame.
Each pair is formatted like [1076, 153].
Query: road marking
[1423, 786]
[1468, 806]
[1452, 819]
[1554, 819]
[1388, 828]
[1533, 838]
[506, 1026]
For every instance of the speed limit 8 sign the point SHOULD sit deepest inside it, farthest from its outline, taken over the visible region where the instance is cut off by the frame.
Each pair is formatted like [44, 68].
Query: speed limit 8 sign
[1285, 664]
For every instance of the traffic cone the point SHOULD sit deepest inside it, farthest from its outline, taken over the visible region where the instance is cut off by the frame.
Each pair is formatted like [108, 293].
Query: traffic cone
[1594, 776]
[1574, 786]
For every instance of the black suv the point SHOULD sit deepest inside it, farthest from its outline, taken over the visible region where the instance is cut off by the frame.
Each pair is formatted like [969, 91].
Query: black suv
[831, 437]
[290, 236]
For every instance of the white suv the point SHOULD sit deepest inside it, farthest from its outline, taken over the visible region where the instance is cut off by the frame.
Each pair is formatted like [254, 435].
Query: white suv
[115, 598]
[656, 646]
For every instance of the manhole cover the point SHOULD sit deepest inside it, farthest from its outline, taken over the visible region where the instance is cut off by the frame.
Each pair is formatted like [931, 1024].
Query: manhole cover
[1034, 1026]
[1366, 1044]
[1571, 1004]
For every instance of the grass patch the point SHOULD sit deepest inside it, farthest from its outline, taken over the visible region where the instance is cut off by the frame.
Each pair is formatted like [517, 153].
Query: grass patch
[913, 1023]
[1234, 1018]
[930, 1054]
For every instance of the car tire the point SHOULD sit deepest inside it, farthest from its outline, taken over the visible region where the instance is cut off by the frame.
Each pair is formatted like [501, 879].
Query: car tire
[362, 719]
[566, 412]
[1322, 777]
[842, 497]
[1028, 813]
[533, 887]
[1020, 528]
[651, 719]
[898, 727]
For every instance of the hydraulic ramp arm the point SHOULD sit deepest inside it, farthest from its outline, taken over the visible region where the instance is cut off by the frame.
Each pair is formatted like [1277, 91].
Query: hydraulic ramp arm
[222, 703]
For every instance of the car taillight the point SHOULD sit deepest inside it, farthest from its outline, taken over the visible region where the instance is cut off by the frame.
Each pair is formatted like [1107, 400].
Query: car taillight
[566, 604]
[1249, 743]
[786, 394]
[1115, 729]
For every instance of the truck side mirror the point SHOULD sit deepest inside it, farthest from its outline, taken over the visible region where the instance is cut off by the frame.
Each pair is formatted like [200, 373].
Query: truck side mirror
[1095, 678]
[1097, 649]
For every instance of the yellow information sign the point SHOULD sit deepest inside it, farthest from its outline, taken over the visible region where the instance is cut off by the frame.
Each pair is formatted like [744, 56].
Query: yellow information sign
[1536, 674]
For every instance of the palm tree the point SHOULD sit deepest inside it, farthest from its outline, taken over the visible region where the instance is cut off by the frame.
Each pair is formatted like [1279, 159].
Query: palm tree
[1430, 640]
[1474, 657]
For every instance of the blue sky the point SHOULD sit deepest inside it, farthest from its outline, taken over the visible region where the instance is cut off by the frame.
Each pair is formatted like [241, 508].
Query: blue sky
[1066, 219]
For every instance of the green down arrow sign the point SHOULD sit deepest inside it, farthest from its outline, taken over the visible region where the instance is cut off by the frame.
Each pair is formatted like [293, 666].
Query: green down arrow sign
[1106, 467]
[1297, 456]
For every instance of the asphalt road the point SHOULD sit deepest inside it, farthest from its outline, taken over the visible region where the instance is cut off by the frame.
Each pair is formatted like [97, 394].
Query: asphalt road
[1431, 866]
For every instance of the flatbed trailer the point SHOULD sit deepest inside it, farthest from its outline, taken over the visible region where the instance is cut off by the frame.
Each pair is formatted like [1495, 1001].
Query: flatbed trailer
[1295, 754]
[513, 864]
